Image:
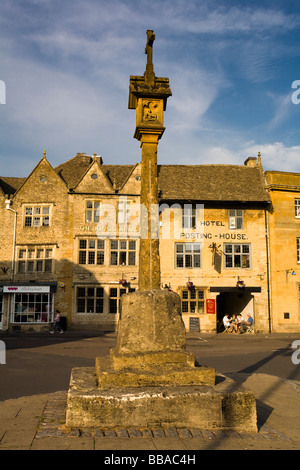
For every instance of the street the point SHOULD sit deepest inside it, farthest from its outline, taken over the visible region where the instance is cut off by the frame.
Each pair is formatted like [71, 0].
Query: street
[42, 363]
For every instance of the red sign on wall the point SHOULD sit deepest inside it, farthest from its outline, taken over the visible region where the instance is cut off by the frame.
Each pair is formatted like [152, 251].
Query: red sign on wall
[210, 306]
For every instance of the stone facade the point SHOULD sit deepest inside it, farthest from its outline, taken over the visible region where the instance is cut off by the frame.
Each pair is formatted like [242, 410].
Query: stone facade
[212, 234]
[284, 249]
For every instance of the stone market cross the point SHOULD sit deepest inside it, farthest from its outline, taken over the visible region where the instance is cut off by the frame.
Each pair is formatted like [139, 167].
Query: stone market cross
[149, 379]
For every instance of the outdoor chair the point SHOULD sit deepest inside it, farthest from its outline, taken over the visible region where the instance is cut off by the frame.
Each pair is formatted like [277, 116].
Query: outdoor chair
[227, 329]
[250, 329]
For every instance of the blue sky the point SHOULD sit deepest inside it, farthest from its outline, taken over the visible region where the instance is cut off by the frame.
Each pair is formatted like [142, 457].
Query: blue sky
[66, 66]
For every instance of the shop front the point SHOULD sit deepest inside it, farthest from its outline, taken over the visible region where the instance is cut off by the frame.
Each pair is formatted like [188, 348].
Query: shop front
[26, 306]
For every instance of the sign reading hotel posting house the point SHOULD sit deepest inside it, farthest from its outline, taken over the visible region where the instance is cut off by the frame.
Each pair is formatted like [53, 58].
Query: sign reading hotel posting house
[26, 289]
[210, 306]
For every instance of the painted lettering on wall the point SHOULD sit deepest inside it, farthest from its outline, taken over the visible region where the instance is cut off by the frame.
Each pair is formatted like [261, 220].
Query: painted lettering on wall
[210, 236]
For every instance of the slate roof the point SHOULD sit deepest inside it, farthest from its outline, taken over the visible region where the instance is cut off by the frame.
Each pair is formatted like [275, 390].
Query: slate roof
[212, 183]
[10, 184]
[117, 173]
[175, 182]
[72, 170]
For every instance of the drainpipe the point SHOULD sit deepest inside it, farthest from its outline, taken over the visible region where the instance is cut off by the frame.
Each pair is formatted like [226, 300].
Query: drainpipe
[268, 271]
[7, 204]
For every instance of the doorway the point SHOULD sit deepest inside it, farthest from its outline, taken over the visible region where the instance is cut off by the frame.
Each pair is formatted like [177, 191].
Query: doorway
[229, 303]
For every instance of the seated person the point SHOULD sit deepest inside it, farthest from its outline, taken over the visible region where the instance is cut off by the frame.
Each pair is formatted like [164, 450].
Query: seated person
[234, 323]
[241, 323]
[246, 324]
[227, 322]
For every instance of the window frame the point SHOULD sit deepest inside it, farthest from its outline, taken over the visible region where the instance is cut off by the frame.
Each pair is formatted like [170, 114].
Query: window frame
[119, 253]
[188, 217]
[235, 218]
[234, 253]
[123, 210]
[93, 211]
[193, 296]
[185, 253]
[88, 253]
[40, 262]
[297, 207]
[37, 214]
[98, 300]
[114, 301]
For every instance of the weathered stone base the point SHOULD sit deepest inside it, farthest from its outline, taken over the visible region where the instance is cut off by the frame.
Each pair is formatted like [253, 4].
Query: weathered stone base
[150, 374]
[222, 406]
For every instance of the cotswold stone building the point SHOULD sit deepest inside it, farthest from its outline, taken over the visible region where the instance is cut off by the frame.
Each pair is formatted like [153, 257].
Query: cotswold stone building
[284, 249]
[62, 249]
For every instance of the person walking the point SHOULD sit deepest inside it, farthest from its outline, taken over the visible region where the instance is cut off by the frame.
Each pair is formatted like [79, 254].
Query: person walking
[57, 324]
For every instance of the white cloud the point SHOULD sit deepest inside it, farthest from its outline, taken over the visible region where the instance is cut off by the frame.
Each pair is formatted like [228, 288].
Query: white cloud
[277, 156]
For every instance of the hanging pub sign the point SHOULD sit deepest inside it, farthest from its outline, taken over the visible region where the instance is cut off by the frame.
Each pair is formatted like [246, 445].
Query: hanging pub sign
[210, 306]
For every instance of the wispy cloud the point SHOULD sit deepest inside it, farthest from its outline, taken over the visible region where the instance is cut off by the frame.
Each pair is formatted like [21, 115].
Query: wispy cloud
[282, 109]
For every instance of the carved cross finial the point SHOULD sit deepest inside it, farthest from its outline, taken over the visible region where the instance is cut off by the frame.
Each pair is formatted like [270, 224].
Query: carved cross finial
[148, 50]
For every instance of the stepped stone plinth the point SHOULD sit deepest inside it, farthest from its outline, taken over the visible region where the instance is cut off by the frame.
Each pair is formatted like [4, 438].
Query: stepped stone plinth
[149, 379]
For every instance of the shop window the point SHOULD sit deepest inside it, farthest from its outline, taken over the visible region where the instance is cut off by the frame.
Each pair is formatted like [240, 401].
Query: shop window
[37, 216]
[236, 219]
[187, 255]
[192, 301]
[237, 256]
[91, 251]
[122, 252]
[34, 260]
[33, 308]
[90, 299]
